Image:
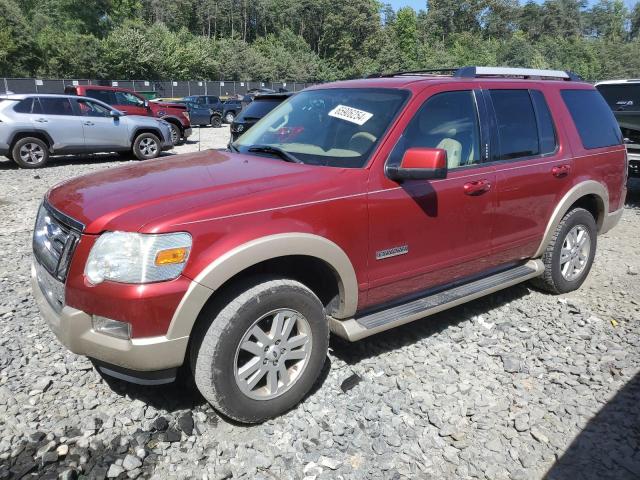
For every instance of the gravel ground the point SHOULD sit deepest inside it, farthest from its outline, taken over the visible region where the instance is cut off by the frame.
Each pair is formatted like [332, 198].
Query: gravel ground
[516, 385]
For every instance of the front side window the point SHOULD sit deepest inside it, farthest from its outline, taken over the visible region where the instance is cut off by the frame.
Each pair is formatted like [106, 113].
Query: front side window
[92, 109]
[338, 127]
[448, 121]
[126, 98]
[516, 123]
[55, 106]
[593, 118]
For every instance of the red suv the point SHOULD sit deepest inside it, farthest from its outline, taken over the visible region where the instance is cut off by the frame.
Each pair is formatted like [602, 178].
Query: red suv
[351, 208]
[130, 102]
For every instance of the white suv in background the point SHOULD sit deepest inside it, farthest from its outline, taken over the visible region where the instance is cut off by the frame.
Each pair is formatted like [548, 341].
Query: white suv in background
[34, 126]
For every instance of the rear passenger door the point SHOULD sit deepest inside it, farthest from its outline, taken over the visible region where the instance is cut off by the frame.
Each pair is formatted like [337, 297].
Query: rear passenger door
[56, 117]
[532, 169]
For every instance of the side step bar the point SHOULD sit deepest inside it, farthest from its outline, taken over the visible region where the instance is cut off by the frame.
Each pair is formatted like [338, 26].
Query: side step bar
[360, 327]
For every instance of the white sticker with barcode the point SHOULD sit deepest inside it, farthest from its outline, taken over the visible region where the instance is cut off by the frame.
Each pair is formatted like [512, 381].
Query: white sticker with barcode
[350, 114]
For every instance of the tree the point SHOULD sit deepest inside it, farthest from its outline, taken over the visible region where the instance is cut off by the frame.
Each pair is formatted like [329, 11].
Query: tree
[406, 33]
[607, 19]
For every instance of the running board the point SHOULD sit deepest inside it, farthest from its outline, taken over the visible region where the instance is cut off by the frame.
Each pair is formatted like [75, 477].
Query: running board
[360, 327]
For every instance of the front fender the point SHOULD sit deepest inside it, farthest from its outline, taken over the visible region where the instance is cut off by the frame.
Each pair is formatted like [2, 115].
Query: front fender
[238, 259]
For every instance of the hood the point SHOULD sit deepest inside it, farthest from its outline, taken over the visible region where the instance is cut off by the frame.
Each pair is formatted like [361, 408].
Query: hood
[136, 197]
[179, 106]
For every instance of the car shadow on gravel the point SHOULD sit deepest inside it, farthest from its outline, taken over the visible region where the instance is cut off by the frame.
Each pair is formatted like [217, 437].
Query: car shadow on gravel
[352, 353]
[608, 446]
[67, 160]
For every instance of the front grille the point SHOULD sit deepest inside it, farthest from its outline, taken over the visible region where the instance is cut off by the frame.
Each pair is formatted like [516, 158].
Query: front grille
[55, 237]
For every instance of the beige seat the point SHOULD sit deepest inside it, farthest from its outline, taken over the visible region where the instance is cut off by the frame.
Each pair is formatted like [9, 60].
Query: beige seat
[361, 142]
[454, 151]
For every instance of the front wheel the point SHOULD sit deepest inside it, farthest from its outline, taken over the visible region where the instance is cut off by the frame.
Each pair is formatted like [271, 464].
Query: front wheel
[263, 351]
[229, 117]
[569, 255]
[146, 146]
[176, 134]
[216, 121]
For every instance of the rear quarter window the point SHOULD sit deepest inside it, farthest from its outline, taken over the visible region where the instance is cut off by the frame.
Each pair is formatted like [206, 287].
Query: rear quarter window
[593, 118]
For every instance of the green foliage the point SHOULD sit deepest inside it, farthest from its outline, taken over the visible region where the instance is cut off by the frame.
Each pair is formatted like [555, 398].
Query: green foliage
[310, 40]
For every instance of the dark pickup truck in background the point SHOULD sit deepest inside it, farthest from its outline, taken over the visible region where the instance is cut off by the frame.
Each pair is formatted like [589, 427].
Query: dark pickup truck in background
[230, 109]
[623, 96]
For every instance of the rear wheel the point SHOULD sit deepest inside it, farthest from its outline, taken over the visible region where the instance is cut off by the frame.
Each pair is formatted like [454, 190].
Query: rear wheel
[30, 152]
[569, 255]
[216, 121]
[146, 146]
[263, 351]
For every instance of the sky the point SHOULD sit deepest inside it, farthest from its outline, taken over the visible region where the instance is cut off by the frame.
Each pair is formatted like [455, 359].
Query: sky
[420, 4]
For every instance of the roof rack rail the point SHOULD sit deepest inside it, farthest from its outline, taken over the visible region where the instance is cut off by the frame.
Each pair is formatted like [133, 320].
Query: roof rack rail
[475, 72]
[433, 71]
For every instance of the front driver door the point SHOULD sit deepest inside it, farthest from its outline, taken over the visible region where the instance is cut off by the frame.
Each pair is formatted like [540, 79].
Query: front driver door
[428, 233]
[101, 130]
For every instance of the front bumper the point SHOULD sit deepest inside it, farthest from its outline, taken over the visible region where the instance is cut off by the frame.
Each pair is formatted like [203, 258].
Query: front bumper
[74, 329]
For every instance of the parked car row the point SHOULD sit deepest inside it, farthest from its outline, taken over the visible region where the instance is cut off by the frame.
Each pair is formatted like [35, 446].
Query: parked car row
[33, 127]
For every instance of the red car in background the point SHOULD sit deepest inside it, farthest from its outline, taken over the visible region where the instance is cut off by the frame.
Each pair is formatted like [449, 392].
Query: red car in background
[133, 104]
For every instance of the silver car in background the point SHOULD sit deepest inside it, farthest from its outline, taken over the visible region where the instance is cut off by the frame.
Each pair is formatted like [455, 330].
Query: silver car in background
[34, 126]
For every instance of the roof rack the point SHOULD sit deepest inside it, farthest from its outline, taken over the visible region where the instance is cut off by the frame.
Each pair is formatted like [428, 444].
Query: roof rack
[478, 72]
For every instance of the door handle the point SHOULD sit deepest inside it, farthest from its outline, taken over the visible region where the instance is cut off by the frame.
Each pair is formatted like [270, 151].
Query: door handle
[477, 187]
[560, 171]
[41, 120]
[89, 124]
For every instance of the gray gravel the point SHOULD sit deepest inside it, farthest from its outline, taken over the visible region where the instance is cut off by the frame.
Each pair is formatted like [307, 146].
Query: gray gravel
[514, 385]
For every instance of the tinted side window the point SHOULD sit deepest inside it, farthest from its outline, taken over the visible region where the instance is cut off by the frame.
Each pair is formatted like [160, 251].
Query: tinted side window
[622, 97]
[92, 109]
[593, 118]
[449, 121]
[516, 122]
[56, 106]
[103, 95]
[546, 129]
[24, 106]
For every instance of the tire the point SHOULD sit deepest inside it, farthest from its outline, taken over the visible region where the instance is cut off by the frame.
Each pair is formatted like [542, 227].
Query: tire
[146, 146]
[218, 362]
[230, 117]
[216, 121]
[560, 276]
[30, 152]
[176, 134]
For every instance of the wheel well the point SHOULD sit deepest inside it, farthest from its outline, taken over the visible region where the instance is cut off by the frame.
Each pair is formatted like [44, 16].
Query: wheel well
[312, 272]
[593, 204]
[147, 130]
[174, 122]
[41, 136]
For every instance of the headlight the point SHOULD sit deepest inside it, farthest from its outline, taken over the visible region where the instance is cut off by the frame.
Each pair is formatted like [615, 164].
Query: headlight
[137, 258]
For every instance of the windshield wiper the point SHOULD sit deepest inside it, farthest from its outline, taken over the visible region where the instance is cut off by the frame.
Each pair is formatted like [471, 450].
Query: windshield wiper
[283, 154]
[233, 148]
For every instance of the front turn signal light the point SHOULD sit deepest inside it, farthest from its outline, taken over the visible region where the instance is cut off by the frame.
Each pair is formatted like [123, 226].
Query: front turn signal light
[172, 256]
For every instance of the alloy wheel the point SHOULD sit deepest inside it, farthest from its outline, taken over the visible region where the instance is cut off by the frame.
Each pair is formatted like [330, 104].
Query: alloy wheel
[575, 251]
[148, 147]
[32, 153]
[273, 354]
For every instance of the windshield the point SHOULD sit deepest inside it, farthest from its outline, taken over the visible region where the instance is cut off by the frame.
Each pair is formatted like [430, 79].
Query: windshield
[332, 127]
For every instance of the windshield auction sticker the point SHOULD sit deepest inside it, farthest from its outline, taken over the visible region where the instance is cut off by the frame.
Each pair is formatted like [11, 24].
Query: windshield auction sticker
[350, 114]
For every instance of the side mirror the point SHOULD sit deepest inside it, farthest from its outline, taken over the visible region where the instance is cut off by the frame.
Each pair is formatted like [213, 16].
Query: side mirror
[115, 114]
[420, 164]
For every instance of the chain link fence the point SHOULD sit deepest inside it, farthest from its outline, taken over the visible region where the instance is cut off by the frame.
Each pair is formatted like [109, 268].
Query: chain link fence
[169, 89]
